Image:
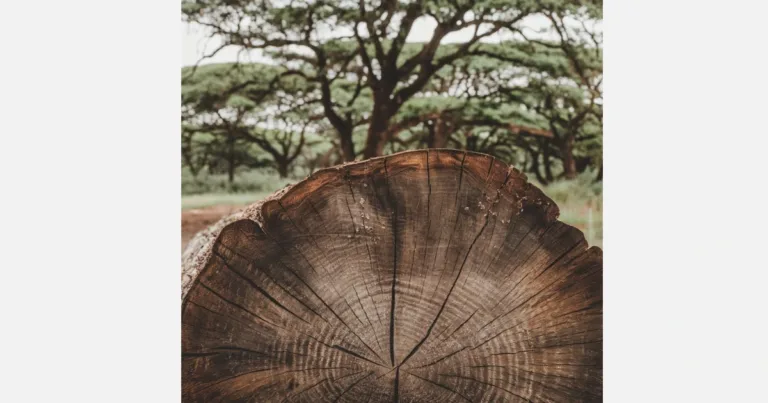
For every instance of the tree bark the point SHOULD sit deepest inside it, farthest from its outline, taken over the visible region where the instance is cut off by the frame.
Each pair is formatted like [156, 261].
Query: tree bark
[377, 130]
[231, 159]
[582, 163]
[282, 168]
[472, 142]
[186, 153]
[547, 160]
[441, 134]
[383, 280]
[569, 162]
[535, 169]
[190, 163]
[347, 145]
[231, 172]
[599, 173]
[430, 126]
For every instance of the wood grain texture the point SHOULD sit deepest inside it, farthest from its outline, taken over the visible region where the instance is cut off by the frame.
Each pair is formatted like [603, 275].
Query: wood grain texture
[424, 276]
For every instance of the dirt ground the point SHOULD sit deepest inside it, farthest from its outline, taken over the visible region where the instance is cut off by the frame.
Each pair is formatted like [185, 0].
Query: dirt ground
[195, 220]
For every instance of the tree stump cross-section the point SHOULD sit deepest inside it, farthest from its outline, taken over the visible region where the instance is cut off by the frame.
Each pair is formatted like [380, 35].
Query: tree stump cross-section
[424, 276]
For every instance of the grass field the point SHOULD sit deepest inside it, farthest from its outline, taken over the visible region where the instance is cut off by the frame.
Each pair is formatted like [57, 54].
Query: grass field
[214, 199]
[580, 201]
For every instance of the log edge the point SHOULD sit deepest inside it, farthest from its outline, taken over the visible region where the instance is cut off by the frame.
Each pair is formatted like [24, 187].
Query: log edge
[198, 252]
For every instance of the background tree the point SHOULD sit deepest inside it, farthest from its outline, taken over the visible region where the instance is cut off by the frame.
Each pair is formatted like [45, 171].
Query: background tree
[569, 98]
[238, 108]
[357, 50]
[514, 97]
[195, 149]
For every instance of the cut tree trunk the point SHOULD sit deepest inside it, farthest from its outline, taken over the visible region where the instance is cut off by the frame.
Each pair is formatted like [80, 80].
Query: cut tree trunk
[424, 276]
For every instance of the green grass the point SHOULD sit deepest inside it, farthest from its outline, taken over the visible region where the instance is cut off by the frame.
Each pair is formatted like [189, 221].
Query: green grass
[207, 190]
[579, 217]
[214, 199]
[580, 200]
[248, 181]
[581, 205]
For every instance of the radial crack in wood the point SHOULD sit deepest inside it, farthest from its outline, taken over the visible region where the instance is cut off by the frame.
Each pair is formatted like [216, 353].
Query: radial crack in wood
[424, 276]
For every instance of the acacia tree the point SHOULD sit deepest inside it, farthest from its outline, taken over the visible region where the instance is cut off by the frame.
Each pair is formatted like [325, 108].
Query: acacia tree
[465, 106]
[543, 97]
[239, 108]
[574, 118]
[210, 109]
[364, 42]
[570, 99]
[284, 144]
[196, 149]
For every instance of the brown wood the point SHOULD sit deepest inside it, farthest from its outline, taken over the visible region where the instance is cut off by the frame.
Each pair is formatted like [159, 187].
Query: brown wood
[424, 276]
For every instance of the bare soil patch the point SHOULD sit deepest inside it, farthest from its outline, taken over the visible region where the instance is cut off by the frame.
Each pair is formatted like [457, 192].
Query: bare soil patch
[195, 220]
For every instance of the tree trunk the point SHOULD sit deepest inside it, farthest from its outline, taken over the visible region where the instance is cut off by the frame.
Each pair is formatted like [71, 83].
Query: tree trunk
[569, 163]
[582, 163]
[547, 161]
[439, 135]
[347, 146]
[377, 130]
[383, 280]
[231, 160]
[194, 170]
[376, 141]
[535, 169]
[430, 125]
[186, 154]
[231, 172]
[282, 168]
[472, 142]
[599, 173]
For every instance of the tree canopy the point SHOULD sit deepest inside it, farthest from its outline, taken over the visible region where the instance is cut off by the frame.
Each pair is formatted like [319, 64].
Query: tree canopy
[346, 75]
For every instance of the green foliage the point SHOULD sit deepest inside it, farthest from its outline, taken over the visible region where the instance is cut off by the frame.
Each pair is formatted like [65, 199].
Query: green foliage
[581, 204]
[246, 181]
[342, 81]
[237, 109]
[583, 190]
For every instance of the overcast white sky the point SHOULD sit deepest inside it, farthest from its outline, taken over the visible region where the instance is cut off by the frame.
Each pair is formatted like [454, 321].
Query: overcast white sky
[196, 42]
